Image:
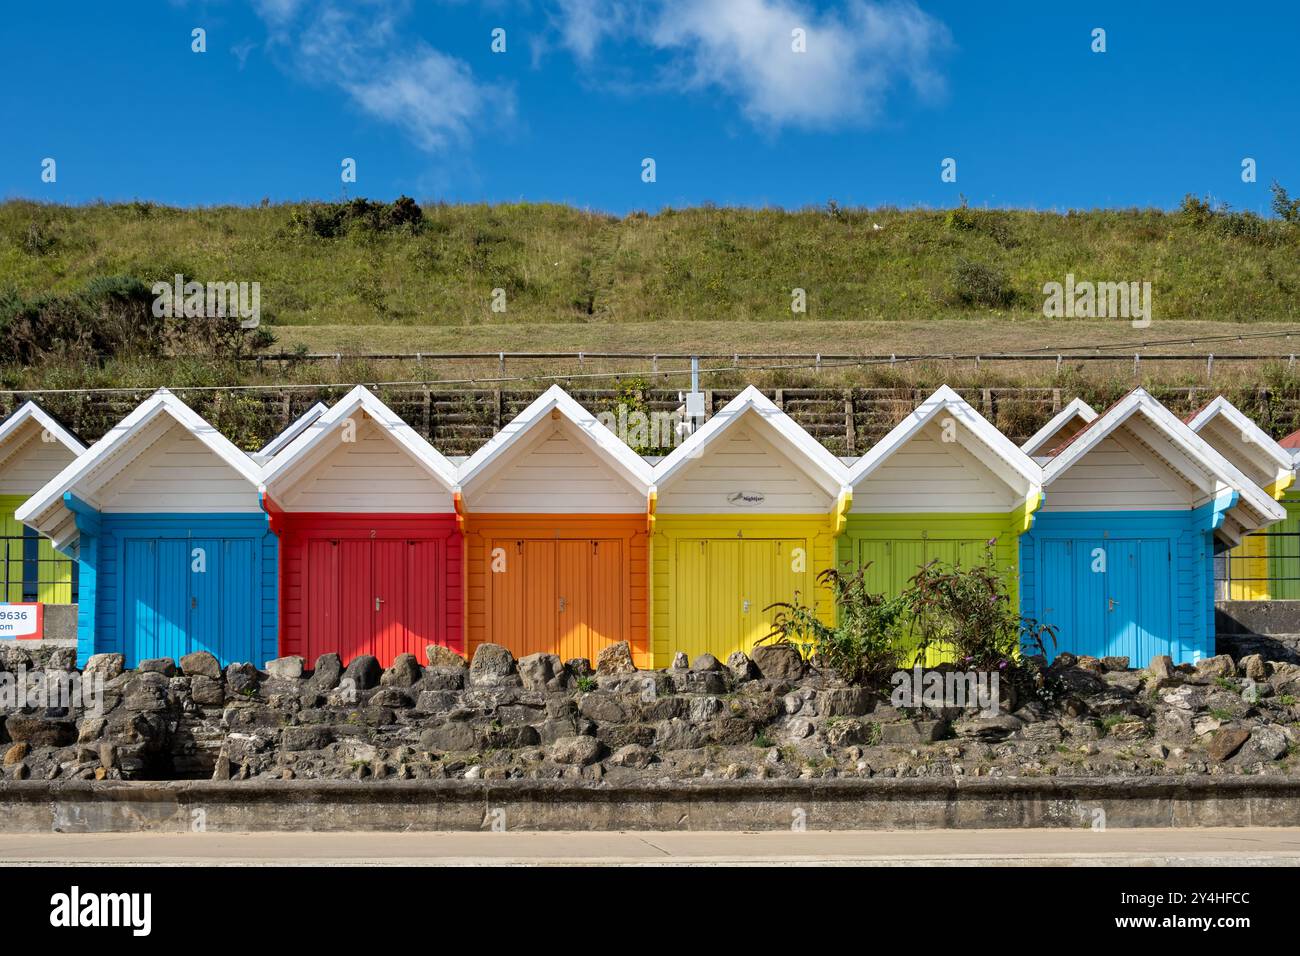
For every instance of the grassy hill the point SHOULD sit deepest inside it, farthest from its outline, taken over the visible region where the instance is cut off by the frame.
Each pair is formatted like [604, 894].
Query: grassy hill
[341, 266]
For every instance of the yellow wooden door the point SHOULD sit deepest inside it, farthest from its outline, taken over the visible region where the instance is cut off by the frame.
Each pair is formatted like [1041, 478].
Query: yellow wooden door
[774, 571]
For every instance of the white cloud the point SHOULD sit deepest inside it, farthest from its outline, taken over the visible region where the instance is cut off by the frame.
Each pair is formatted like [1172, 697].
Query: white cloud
[359, 47]
[855, 56]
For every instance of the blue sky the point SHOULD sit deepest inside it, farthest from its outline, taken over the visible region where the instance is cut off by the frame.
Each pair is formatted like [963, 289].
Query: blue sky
[711, 91]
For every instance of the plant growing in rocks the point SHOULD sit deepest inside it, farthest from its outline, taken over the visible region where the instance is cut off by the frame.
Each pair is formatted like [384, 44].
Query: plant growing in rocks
[863, 646]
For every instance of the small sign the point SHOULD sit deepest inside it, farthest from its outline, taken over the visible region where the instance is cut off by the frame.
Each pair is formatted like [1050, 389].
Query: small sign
[746, 499]
[26, 622]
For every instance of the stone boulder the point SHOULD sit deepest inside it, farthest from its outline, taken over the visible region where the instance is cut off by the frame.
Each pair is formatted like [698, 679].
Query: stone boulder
[38, 731]
[493, 666]
[363, 672]
[615, 659]
[444, 658]
[158, 665]
[538, 671]
[405, 671]
[576, 751]
[778, 661]
[706, 663]
[284, 668]
[325, 676]
[107, 666]
[201, 664]
[1225, 742]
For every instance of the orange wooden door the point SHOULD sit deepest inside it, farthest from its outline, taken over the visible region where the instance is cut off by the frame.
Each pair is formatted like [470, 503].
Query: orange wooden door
[590, 592]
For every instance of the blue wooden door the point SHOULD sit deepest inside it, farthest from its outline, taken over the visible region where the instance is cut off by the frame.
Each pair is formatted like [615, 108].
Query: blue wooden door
[1107, 596]
[190, 594]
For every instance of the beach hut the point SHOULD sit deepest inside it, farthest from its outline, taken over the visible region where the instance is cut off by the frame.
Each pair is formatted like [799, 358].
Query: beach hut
[1284, 543]
[746, 512]
[173, 550]
[944, 485]
[1064, 425]
[1233, 435]
[34, 448]
[1120, 558]
[555, 513]
[370, 549]
[300, 425]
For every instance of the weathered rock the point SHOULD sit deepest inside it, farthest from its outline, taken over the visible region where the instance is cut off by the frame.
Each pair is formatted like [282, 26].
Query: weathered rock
[576, 751]
[362, 673]
[681, 662]
[1115, 663]
[329, 669]
[537, 671]
[741, 667]
[62, 659]
[108, 666]
[1212, 668]
[241, 680]
[1161, 667]
[493, 666]
[1090, 664]
[158, 665]
[396, 697]
[443, 658]
[454, 736]
[601, 707]
[634, 756]
[201, 664]
[615, 658]
[778, 661]
[40, 731]
[206, 691]
[706, 663]
[405, 671]
[842, 702]
[842, 731]
[1225, 742]
[310, 737]
[1253, 667]
[1267, 742]
[285, 668]
[910, 732]
[1129, 730]
[988, 728]
[579, 667]
[16, 754]
[1185, 697]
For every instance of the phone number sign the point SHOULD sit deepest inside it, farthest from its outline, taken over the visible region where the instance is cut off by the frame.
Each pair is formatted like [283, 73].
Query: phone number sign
[22, 621]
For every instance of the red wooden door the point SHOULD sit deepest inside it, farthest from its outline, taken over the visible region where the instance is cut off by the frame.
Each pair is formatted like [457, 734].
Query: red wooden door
[391, 614]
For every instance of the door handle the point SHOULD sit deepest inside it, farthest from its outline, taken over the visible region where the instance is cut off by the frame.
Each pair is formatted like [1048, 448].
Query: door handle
[378, 601]
[1110, 604]
[563, 604]
[194, 602]
[744, 606]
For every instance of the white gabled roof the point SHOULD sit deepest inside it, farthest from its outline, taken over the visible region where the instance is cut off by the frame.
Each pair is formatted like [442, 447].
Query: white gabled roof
[280, 441]
[298, 453]
[591, 431]
[1249, 441]
[1001, 454]
[1078, 408]
[31, 412]
[822, 466]
[1187, 453]
[45, 511]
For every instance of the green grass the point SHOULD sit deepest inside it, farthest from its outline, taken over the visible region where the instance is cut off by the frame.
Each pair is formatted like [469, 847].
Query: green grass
[562, 265]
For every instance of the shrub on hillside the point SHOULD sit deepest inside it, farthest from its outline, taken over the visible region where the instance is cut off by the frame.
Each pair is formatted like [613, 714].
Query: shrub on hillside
[329, 220]
[111, 317]
[974, 283]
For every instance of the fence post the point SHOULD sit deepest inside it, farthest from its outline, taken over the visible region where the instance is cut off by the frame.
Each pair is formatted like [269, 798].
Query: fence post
[778, 400]
[1056, 397]
[850, 445]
